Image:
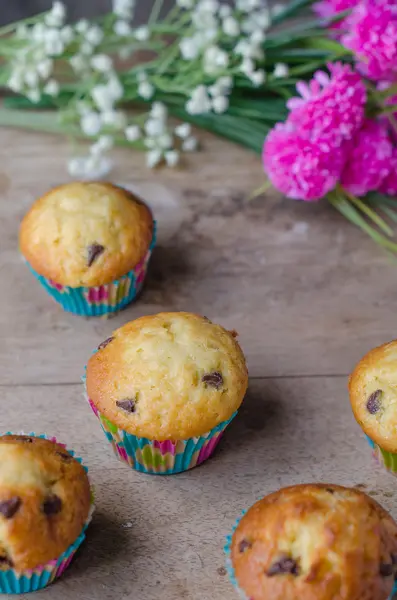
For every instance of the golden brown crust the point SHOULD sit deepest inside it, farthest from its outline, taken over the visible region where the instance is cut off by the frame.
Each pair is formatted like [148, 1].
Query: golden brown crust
[373, 395]
[315, 542]
[44, 501]
[61, 228]
[181, 374]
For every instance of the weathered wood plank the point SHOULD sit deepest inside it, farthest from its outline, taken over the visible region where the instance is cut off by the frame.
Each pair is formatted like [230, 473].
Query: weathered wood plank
[161, 538]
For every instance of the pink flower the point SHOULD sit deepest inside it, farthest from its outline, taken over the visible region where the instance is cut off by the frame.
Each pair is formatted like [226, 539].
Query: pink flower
[389, 184]
[369, 161]
[330, 107]
[372, 36]
[300, 168]
[326, 9]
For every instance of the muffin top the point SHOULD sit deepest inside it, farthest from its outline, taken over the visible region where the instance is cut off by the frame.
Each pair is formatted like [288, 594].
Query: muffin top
[44, 501]
[169, 376]
[315, 542]
[86, 234]
[373, 395]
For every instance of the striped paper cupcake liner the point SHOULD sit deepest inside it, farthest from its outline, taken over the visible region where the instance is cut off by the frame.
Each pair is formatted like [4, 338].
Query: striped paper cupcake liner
[388, 460]
[102, 299]
[13, 582]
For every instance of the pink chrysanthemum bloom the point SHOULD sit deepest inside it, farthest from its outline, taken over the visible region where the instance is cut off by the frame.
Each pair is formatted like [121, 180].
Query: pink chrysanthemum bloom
[372, 36]
[389, 184]
[326, 9]
[330, 107]
[369, 161]
[298, 167]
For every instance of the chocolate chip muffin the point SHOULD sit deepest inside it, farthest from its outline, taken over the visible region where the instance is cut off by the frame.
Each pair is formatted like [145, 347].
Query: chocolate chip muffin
[167, 377]
[315, 542]
[44, 502]
[92, 237]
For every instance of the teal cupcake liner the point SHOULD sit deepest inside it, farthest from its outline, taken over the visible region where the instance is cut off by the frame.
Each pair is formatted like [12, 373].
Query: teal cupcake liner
[13, 582]
[160, 457]
[387, 460]
[102, 299]
[232, 574]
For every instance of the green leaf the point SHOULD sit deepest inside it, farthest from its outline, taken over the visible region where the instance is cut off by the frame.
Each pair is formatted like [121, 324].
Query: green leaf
[291, 9]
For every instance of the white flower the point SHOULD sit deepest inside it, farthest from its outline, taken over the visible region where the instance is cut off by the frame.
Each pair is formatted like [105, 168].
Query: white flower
[78, 62]
[31, 78]
[82, 107]
[142, 34]
[258, 37]
[154, 127]
[215, 59]
[132, 133]
[211, 6]
[220, 104]
[190, 145]
[164, 141]
[94, 35]
[159, 111]
[102, 97]
[141, 76]
[258, 77]
[247, 67]
[22, 31]
[183, 131]
[56, 16]
[89, 167]
[185, 3]
[199, 102]
[123, 8]
[54, 45]
[44, 68]
[263, 19]
[91, 123]
[221, 87]
[86, 48]
[51, 88]
[248, 5]
[277, 9]
[225, 11]
[104, 144]
[189, 48]
[102, 63]
[172, 158]
[38, 32]
[114, 118]
[122, 28]
[82, 26]
[33, 95]
[15, 83]
[146, 90]
[67, 34]
[115, 87]
[153, 158]
[231, 27]
[281, 70]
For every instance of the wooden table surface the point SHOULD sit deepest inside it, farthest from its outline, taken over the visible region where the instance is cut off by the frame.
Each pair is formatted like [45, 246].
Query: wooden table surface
[308, 294]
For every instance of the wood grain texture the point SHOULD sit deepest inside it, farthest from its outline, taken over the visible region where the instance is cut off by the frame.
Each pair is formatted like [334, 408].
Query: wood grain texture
[159, 538]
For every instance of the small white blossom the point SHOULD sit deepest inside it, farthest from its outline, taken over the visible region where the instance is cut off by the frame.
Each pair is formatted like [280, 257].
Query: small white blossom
[146, 90]
[86, 48]
[189, 48]
[199, 102]
[141, 76]
[94, 35]
[51, 88]
[102, 63]
[44, 68]
[248, 5]
[225, 11]
[90, 167]
[247, 67]
[22, 31]
[281, 70]
[153, 158]
[15, 83]
[258, 37]
[115, 88]
[56, 16]
[91, 123]
[82, 26]
[211, 6]
[154, 127]
[82, 107]
[38, 32]
[114, 118]
[185, 3]
[190, 145]
[122, 28]
[172, 158]
[67, 34]
[231, 27]
[142, 34]
[277, 9]
[263, 19]
[124, 8]
[54, 45]
[159, 111]
[78, 63]
[31, 78]
[221, 87]
[33, 95]
[104, 144]
[164, 141]
[102, 97]
[258, 77]
[220, 104]
[132, 133]
[215, 59]
[183, 131]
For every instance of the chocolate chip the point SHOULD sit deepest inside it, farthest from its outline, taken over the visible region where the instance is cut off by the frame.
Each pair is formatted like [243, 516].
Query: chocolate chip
[26, 440]
[373, 402]
[285, 565]
[385, 569]
[52, 505]
[128, 405]
[64, 455]
[105, 343]
[8, 508]
[394, 559]
[330, 490]
[6, 562]
[94, 251]
[214, 379]
[244, 545]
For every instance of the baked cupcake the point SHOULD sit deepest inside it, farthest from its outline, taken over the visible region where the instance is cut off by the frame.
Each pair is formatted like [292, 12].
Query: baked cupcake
[45, 507]
[164, 388]
[373, 396]
[89, 244]
[314, 542]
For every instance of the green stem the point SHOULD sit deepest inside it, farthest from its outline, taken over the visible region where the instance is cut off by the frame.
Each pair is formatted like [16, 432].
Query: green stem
[154, 15]
[370, 213]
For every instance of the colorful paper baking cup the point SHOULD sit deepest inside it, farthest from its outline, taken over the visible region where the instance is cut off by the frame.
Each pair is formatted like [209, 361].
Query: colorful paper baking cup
[13, 582]
[388, 460]
[101, 299]
[160, 458]
[232, 574]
